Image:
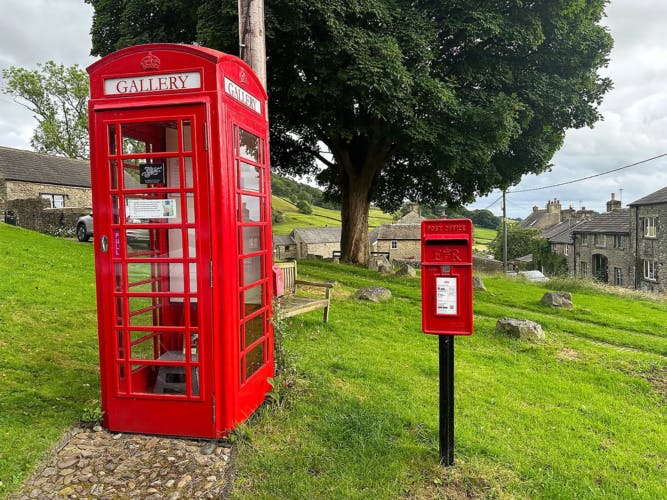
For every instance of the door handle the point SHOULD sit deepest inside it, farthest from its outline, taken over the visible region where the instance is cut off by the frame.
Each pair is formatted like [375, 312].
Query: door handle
[104, 244]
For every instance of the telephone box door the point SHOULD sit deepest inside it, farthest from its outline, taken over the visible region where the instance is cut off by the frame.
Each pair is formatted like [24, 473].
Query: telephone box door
[152, 246]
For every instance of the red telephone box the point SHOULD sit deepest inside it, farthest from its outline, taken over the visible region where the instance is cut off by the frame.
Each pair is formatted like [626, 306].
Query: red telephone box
[447, 276]
[181, 197]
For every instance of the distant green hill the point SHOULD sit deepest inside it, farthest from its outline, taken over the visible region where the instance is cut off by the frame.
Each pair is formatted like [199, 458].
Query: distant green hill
[319, 218]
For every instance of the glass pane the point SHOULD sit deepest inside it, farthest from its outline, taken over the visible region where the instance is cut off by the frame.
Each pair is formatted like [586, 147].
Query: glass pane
[120, 342]
[251, 239]
[252, 270]
[145, 345]
[142, 310]
[112, 139]
[250, 209]
[115, 210]
[113, 173]
[118, 277]
[138, 241]
[122, 383]
[153, 137]
[251, 300]
[249, 177]
[187, 162]
[187, 135]
[173, 172]
[254, 330]
[254, 360]
[248, 145]
[119, 311]
[140, 278]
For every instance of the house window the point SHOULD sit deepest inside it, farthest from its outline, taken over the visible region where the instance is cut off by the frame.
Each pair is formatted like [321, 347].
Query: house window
[584, 268]
[566, 250]
[394, 244]
[618, 276]
[584, 239]
[650, 270]
[619, 241]
[649, 227]
[56, 200]
[600, 240]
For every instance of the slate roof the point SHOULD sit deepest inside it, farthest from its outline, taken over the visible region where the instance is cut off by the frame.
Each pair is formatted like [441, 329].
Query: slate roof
[533, 218]
[660, 196]
[283, 240]
[38, 168]
[616, 221]
[412, 217]
[399, 232]
[561, 233]
[317, 234]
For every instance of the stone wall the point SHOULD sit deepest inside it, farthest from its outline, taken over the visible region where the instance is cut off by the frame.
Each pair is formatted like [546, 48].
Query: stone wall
[406, 249]
[324, 250]
[616, 258]
[34, 214]
[15, 190]
[648, 248]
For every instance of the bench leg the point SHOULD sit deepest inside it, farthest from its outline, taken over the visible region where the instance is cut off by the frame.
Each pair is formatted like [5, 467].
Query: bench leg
[326, 315]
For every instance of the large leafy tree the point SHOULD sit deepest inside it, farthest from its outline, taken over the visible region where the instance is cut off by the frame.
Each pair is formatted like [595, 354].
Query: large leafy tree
[58, 98]
[434, 101]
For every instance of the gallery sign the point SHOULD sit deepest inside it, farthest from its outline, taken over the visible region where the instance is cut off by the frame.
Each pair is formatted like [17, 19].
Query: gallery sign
[242, 96]
[166, 82]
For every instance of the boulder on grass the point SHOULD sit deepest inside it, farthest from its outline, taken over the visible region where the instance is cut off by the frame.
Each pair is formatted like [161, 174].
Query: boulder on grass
[478, 284]
[521, 329]
[373, 293]
[407, 270]
[558, 299]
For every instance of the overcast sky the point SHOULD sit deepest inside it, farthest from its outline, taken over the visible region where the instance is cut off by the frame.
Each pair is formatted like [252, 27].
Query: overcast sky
[635, 112]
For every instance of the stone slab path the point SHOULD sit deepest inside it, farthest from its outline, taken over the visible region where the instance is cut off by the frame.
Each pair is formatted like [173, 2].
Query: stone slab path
[94, 463]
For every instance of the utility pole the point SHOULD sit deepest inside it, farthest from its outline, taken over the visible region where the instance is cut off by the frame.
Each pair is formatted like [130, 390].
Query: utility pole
[505, 230]
[252, 48]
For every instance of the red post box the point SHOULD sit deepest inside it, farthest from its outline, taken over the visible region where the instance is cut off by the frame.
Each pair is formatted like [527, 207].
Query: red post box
[182, 203]
[446, 270]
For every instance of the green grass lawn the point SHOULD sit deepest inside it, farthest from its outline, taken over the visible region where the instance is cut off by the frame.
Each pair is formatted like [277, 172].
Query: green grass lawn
[579, 416]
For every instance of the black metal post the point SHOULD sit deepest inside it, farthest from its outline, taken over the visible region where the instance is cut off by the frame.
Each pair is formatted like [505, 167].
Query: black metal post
[446, 357]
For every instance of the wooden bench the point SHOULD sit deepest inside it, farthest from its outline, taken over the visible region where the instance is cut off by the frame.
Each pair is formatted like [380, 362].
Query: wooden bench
[289, 303]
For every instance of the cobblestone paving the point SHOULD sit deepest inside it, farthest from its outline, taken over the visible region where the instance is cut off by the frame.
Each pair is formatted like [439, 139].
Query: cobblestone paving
[93, 463]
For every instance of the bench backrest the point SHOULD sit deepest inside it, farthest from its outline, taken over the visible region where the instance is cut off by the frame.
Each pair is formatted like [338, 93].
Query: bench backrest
[288, 270]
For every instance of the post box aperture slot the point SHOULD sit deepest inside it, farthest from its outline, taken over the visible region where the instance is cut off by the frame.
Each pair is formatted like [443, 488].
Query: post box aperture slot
[447, 251]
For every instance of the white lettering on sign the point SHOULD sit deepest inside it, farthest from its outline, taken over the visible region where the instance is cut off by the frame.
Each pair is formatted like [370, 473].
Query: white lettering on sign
[445, 296]
[242, 96]
[152, 83]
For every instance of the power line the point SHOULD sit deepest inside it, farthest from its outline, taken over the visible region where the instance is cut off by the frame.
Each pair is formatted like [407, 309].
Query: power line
[587, 177]
[493, 202]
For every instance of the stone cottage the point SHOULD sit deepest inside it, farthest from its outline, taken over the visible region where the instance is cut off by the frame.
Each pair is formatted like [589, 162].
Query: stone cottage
[401, 239]
[561, 241]
[648, 241]
[284, 247]
[316, 241]
[62, 182]
[601, 247]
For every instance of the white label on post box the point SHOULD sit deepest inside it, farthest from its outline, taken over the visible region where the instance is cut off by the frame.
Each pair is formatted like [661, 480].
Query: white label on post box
[152, 83]
[151, 209]
[242, 96]
[445, 296]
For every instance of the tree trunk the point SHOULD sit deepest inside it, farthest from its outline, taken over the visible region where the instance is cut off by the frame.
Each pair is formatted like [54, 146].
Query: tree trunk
[355, 203]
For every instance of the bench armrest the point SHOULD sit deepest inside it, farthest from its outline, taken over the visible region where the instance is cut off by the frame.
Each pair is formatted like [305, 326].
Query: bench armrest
[313, 283]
